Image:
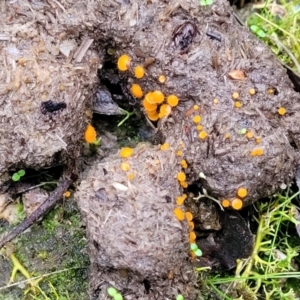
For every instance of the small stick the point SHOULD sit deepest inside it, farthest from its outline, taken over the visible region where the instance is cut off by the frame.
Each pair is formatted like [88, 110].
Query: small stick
[56, 195]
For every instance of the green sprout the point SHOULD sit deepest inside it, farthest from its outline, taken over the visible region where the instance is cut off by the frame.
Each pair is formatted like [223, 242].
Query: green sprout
[179, 297]
[194, 248]
[17, 175]
[114, 293]
[128, 115]
[258, 31]
[206, 2]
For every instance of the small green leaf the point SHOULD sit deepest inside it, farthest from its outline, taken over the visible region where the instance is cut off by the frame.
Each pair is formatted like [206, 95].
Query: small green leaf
[261, 33]
[206, 2]
[243, 131]
[15, 177]
[254, 28]
[21, 172]
[112, 291]
[179, 297]
[118, 297]
[198, 252]
[194, 247]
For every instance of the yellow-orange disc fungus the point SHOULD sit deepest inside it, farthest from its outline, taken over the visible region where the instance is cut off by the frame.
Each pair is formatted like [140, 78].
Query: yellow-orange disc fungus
[189, 216]
[90, 134]
[158, 97]
[126, 152]
[197, 119]
[130, 176]
[136, 91]
[191, 226]
[242, 192]
[67, 194]
[202, 135]
[237, 203]
[164, 110]
[179, 214]
[152, 115]
[181, 176]
[172, 100]
[281, 111]
[139, 72]
[179, 153]
[184, 164]
[252, 91]
[124, 62]
[249, 134]
[179, 200]
[125, 166]
[225, 203]
[235, 95]
[184, 184]
[162, 79]
[165, 146]
[192, 237]
[238, 104]
[196, 107]
[149, 106]
[257, 152]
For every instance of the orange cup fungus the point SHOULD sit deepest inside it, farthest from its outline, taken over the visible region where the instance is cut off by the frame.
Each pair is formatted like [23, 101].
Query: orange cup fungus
[165, 146]
[183, 164]
[216, 101]
[179, 214]
[136, 91]
[237, 203]
[124, 62]
[242, 192]
[199, 127]
[162, 79]
[139, 72]
[257, 152]
[281, 111]
[225, 203]
[152, 115]
[235, 95]
[126, 152]
[158, 97]
[67, 194]
[191, 226]
[189, 216]
[197, 119]
[249, 134]
[181, 176]
[172, 100]
[149, 106]
[179, 200]
[130, 176]
[252, 91]
[90, 134]
[196, 107]
[125, 166]
[179, 153]
[202, 135]
[184, 184]
[227, 136]
[164, 110]
[238, 104]
[192, 237]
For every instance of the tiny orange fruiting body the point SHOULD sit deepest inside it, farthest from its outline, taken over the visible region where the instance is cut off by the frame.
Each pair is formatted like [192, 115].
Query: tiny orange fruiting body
[184, 184]
[130, 176]
[225, 203]
[179, 214]
[202, 135]
[124, 62]
[196, 107]
[126, 152]
[189, 216]
[281, 111]
[238, 104]
[257, 152]
[179, 153]
[139, 72]
[242, 192]
[192, 237]
[184, 164]
[90, 134]
[136, 91]
[67, 194]
[165, 146]
[125, 166]
[162, 79]
[237, 203]
[197, 119]
[164, 110]
[172, 100]
[235, 95]
[158, 97]
[250, 134]
[181, 176]
[252, 91]
[179, 200]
